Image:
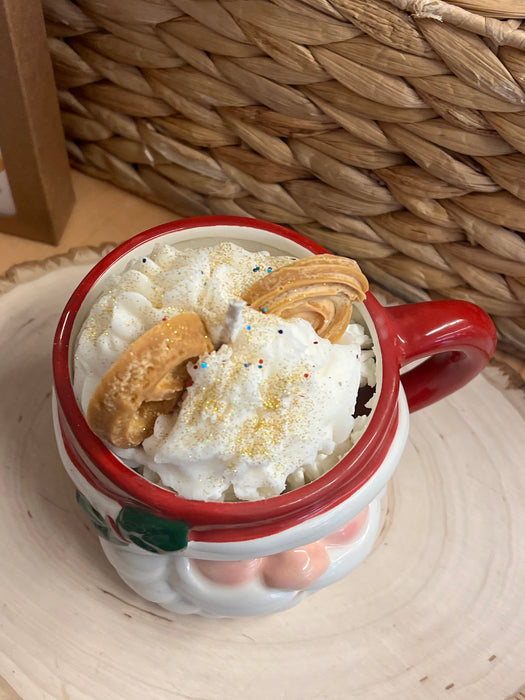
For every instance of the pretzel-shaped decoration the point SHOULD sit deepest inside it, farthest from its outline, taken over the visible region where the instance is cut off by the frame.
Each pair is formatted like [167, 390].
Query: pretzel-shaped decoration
[320, 289]
[146, 380]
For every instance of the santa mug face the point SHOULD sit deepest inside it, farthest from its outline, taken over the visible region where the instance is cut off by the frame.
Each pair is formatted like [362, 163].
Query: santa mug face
[259, 556]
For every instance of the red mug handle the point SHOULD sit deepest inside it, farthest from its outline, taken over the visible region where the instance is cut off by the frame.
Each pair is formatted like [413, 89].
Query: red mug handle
[457, 338]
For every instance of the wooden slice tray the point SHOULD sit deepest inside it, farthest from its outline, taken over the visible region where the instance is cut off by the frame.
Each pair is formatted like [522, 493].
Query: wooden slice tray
[436, 611]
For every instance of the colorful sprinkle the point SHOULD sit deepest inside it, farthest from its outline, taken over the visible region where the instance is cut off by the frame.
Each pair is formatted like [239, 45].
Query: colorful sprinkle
[249, 328]
[269, 269]
[204, 365]
[316, 342]
[280, 331]
[144, 260]
[256, 269]
[265, 310]
[306, 375]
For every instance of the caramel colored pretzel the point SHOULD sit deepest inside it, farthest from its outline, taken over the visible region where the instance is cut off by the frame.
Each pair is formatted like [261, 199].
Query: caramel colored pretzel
[146, 380]
[320, 289]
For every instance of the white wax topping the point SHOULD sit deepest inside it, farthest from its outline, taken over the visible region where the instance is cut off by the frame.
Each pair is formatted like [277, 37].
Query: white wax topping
[270, 407]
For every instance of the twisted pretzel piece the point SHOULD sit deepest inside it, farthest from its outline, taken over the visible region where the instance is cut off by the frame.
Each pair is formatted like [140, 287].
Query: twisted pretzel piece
[320, 289]
[146, 380]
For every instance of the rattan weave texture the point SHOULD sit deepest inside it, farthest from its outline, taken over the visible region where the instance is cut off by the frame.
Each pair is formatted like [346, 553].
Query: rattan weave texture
[391, 131]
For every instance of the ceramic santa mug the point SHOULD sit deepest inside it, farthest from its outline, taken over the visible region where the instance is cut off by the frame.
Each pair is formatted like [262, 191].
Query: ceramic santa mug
[253, 558]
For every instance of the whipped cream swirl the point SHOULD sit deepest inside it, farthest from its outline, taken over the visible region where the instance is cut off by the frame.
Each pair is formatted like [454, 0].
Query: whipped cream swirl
[270, 408]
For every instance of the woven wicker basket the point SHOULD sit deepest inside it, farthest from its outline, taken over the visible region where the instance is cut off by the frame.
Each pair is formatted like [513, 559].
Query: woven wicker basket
[392, 131]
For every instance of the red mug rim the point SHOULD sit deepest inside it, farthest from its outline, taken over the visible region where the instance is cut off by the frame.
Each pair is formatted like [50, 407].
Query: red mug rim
[330, 489]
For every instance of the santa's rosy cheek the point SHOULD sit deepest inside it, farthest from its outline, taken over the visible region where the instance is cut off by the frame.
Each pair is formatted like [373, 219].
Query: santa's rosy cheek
[295, 569]
[228, 573]
[348, 532]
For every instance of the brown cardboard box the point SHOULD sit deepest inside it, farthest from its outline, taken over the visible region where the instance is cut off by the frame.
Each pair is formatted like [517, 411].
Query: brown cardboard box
[33, 160]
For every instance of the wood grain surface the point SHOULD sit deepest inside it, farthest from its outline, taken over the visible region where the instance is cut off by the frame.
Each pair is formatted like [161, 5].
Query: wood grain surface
[436, 611]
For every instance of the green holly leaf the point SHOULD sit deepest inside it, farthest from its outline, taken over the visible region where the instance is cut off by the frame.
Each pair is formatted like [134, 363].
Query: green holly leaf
[151, 532]
[98, 520]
